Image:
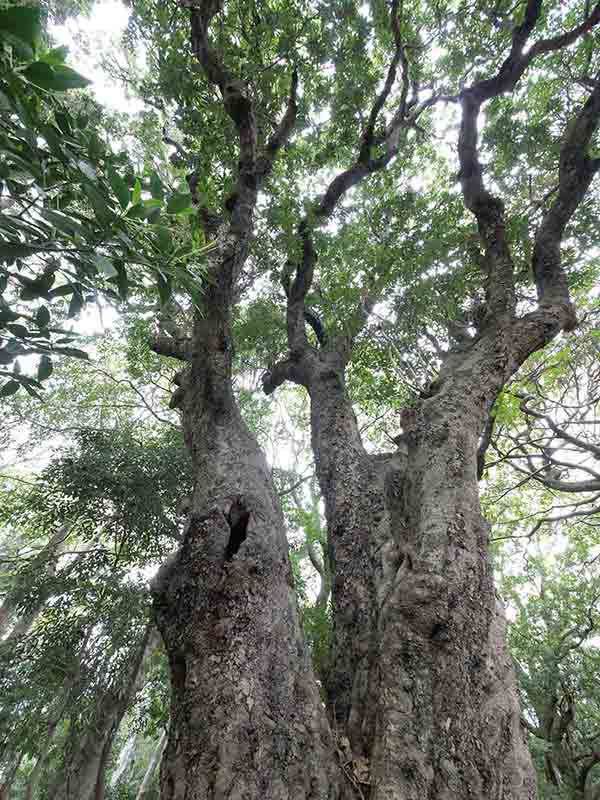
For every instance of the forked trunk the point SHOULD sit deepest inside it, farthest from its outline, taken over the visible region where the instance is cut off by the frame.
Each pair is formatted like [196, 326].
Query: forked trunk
[422, 684]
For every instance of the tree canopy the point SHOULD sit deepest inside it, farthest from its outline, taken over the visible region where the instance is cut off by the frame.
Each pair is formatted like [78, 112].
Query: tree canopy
[314, 196]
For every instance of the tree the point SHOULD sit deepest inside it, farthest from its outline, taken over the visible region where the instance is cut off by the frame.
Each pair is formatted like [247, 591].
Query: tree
[552, 639]
[420, 693]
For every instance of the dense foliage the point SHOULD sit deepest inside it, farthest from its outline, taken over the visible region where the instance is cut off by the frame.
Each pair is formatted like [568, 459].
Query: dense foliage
[100, 209]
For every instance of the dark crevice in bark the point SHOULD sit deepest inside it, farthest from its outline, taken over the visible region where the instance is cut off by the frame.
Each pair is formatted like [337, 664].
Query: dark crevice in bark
[237, 519]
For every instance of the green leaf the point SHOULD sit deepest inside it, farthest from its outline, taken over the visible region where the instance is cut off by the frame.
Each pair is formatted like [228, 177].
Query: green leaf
[21, 25]
[42, 318]
[54, 78]
[165, 240]
[76, 304]
[137, 192]
[121, 279]
[9, 388]
[7, 355]
[62, 291]
[153, 215]
[18, 330]
[72, 351]
[98, 203]
[56, 56]
[9, 251]
[178, 203]
[119, 187]
[7, 315]
[63, 222]
[38, 287]
[156, 186]
[137, 211]
[163, 284]
[45, 368]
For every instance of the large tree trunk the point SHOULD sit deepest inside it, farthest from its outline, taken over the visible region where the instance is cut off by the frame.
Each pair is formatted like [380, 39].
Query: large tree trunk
[448, 719]
[422, 684]
[246, 717]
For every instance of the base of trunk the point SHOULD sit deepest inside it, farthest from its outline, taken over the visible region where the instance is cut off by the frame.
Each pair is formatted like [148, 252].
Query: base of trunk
[246, 718]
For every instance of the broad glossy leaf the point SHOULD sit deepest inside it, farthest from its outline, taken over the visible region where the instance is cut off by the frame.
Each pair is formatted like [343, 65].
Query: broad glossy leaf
[21, 25]
[45, 368]
[10, 251]
[9, 388]
[156, 186]
[64, 223]
[57, 78]
[42, 317]
[119, 187]
[56, 56]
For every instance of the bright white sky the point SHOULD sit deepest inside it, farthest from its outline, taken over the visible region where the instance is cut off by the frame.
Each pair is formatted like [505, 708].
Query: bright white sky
[88, 38]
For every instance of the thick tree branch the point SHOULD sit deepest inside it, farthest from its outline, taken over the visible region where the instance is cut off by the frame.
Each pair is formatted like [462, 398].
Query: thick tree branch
[291, 369]
[576, 171]
[181, 349]
[281, 134]
[238, 106]
[489, 210]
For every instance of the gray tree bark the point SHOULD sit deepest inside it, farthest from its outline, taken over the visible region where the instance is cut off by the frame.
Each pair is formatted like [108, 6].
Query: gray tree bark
[246, 717]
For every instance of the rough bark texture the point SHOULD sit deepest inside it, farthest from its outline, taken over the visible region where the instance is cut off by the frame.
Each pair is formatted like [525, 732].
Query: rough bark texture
[421, 682]
[246, 717]
[449, 719]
